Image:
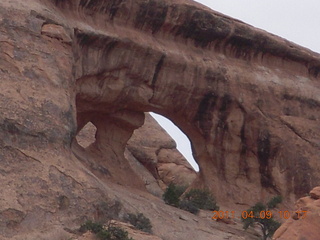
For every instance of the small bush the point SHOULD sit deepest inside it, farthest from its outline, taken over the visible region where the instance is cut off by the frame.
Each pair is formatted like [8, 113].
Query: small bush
[111, 233]
[268, 225]
[118, 234]
[140, 222]
[274, 202]
[172, 194]
[91, 226]
[194, 200]
[104, 235]
[188, 206]
[202, 199]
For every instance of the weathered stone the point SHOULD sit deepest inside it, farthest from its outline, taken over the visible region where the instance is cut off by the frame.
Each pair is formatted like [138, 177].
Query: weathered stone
[56, 31]
[305, 223]
[156, 150]
[315, 193]
[247, 100]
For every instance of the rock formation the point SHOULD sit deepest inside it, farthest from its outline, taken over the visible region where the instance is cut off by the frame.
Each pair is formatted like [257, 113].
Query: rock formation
[248, 101]
[151, 153]
[304, 224]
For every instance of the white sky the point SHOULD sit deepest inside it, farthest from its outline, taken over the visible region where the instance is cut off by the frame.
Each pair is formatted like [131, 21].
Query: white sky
[296, 20]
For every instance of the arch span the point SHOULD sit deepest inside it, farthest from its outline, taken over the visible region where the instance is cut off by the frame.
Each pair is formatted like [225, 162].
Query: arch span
[231, 88]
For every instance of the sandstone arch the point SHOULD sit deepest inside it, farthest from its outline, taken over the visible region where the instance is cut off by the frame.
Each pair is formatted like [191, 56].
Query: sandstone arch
[248, 100]
[218, 82]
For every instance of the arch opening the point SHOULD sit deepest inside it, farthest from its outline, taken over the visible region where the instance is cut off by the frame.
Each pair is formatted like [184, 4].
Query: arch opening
[87, 135]
[131, 148]
[182, 140]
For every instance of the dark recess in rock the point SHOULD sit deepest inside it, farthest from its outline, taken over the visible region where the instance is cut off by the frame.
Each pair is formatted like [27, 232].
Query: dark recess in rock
[203, 27]
[264, 148]
[243, 164]
[302, 177]
[311, 103]
[203, 118]
[109, 7]
[314, 71]
[215, 77]
[152, 14]
[97, 41]
[157, 70]
[115, 5]
[223, 113]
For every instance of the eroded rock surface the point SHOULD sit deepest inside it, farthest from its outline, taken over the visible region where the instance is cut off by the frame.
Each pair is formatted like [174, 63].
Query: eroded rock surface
[248, 101]
[304, 224]
[156, 150]
[151, 153]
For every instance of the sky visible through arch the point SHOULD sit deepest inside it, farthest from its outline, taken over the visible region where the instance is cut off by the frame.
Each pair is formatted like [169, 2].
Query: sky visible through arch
[295, 20]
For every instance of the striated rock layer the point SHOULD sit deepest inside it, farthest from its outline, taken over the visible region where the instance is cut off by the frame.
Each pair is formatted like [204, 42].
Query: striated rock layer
[151, 153]
[234, 90]
[304, 224]
[248, 101]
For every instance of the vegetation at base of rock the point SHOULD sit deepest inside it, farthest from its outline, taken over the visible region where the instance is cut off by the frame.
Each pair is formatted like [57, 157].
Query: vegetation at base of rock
[172, 194]
[194, 200]
[109, 233]
[188, 206]
[266, 222]
[274, 202]
[139, 221]
[201, 198]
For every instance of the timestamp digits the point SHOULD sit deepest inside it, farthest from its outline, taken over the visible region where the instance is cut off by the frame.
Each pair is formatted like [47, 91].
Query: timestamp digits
[223, 214]
[265, 214]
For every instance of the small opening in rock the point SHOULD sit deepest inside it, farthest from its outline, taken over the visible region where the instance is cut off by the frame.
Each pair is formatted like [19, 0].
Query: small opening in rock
[87, 135]
[183, 142]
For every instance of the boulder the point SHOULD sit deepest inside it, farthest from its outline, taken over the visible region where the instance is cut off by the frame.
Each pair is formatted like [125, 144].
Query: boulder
[305, 224]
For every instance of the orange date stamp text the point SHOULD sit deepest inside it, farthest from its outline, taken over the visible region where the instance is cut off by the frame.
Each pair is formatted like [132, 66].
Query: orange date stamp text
[266, 214]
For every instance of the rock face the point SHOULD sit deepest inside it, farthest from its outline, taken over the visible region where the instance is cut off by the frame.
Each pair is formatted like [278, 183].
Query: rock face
[248, 101]
[306, 226]
[156, 150]
[151, 153]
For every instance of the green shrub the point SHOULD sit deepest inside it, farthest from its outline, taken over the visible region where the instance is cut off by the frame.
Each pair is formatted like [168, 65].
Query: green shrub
[274, 202]
[266, 222]
[111, 233]
[194, 200]
[104, 235]
[202, 199]
[172, 194]
[91, 226]
[117, 234]
[188, 206]
[140, 222]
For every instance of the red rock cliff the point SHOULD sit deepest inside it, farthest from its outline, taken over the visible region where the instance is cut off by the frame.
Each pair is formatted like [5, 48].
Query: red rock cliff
[248, 101]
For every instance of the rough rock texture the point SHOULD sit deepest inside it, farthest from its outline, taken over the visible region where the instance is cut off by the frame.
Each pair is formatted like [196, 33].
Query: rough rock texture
[156, 150]
[151, 153]
[305, 227]
[249, 102]
[234, 90]
[132, 232]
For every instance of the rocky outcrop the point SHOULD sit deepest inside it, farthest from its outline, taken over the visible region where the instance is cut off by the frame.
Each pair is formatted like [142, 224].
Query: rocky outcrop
[234, 90]
[247, 100]
[151, 153]
[156, 150]
[304, 224]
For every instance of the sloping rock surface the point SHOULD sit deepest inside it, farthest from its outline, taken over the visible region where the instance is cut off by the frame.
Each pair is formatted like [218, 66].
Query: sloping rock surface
[305, 224]
[156, 150]
[248, 101]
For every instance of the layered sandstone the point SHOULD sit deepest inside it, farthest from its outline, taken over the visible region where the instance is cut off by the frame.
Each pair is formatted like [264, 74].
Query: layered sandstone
[248, 101]
[151, 153]
[157, 152]
[304, 224]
